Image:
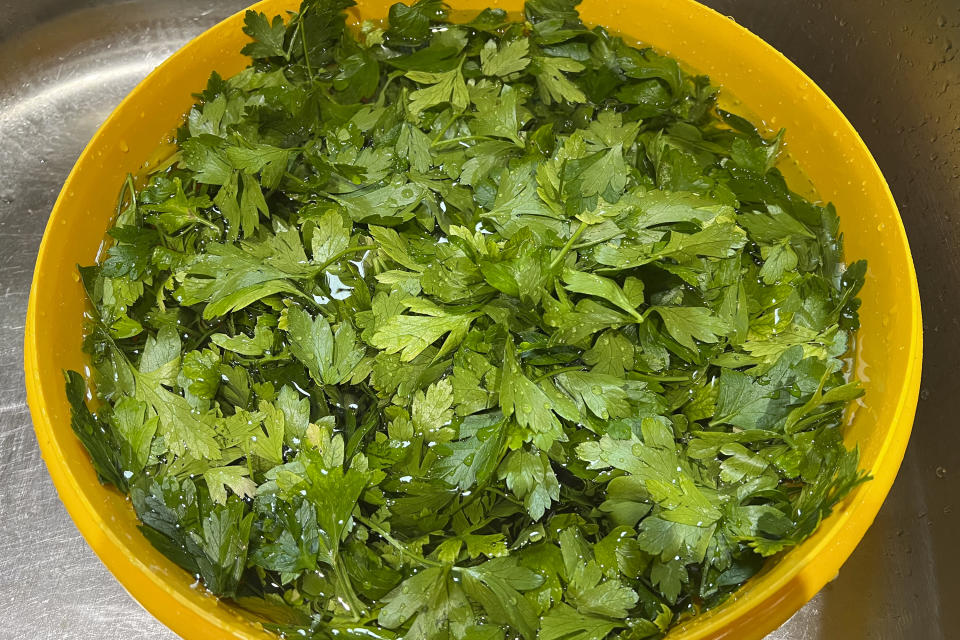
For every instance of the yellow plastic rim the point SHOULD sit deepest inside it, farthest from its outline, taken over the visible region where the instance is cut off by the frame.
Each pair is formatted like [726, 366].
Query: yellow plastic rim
[823, 145]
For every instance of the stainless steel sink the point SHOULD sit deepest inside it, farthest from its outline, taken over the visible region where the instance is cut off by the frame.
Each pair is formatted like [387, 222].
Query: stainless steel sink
[891, 66]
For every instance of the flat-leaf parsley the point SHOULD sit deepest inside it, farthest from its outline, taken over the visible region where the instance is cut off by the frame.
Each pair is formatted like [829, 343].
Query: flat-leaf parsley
[469, 330]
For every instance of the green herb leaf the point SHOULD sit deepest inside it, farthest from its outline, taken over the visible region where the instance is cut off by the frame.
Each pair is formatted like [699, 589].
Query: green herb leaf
[490, 329]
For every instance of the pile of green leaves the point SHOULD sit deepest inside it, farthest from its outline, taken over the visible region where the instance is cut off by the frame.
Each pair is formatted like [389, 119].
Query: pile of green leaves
[483, 330]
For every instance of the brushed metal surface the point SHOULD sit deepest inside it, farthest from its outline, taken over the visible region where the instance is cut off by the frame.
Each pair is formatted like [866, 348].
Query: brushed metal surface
[891, 66]
[61, 74]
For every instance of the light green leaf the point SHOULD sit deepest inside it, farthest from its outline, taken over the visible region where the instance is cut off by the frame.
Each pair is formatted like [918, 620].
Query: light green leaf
[526, 401]
[432, 411]
[687, 323]
[553, 85]
[410, 335]
[219, 479]
[530, 477]
[447, 87]
[244, 345]
[594, 285]
[508, 59]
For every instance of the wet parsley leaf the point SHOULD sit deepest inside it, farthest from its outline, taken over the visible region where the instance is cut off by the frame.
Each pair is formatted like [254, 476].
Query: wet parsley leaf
[477, 331]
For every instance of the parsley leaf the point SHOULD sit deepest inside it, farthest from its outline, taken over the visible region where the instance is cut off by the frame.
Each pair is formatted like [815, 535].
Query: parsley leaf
[505, 60]
[267, 35]
[472, 330]
[687, 323]
[329, 356]
[446, 87]
[553, 84]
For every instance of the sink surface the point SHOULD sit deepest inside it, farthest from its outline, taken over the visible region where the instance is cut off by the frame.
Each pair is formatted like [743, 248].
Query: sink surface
[64, 66]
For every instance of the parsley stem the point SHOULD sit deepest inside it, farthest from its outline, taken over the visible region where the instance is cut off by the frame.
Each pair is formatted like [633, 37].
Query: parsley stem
[653, 378]
[569, 245]
[399, 546]
[198, 218]
[440, 143]
[506, 496]
[593, 243]
[480, 525]
[133, 190]
[446, 127]
[306, 55]
[165, 164]
[556, 372]
[353, 601]
[128, 188]
[336, 257]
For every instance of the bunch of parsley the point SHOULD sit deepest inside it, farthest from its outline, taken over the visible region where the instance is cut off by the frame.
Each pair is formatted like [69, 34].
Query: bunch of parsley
[469, 330]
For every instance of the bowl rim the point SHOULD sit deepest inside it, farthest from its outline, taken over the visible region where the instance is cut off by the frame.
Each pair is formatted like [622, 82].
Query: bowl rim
[765, 609]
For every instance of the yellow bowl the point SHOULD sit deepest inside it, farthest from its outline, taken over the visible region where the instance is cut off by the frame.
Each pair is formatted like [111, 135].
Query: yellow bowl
[824, 146]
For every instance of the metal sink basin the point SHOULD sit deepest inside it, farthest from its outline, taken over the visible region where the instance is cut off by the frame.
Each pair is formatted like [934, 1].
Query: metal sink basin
[891, 67]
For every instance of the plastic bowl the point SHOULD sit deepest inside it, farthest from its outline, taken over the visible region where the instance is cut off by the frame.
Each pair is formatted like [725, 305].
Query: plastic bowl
[823, 147]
